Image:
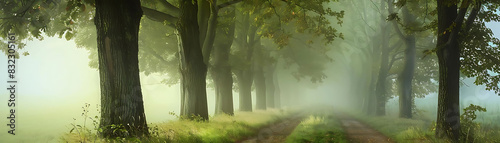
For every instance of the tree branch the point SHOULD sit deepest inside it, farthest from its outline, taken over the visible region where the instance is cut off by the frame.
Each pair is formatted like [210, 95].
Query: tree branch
[155, 54]
[228, 4]
[394, 60]
[495, 60]
[394, 21]
[472, 16]
[459, 21]
[396, 45]
[159, 16]
[21, 13]
[209, 40]
[173, 10]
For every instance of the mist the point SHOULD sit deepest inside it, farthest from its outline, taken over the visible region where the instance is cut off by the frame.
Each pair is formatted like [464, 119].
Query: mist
[250, 71]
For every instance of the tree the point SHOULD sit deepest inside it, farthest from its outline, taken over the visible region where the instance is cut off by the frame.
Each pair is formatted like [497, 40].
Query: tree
[410, 30]
[269, 18]
[117, 25]
[459, 33]
[121, 97]
[221, 70]
[192, 67]
[406, 76]
[244, 70]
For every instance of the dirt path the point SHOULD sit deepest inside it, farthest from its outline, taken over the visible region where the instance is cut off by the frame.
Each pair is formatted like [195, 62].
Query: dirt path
[275, 133]
[358, 132]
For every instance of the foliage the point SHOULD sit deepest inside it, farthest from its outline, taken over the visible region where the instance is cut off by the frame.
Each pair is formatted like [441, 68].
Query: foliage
[292, 26]
[400, 129]
[423, 130]
[468, 126]
[479, 48]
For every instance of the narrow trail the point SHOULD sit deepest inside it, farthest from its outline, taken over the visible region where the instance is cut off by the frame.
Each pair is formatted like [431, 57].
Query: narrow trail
[358, 132]
[275, 133]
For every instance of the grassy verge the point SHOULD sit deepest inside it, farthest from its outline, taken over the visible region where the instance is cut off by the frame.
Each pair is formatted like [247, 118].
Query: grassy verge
[220, 129]
[418, 130]
[399, 129]
[318, 127]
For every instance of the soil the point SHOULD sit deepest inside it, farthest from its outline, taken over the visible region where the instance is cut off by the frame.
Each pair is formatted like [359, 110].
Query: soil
[275, 133]
[356, 131]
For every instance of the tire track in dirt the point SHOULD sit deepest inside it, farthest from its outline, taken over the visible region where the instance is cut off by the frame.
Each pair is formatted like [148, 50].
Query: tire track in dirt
[358, 132]
[277, 132]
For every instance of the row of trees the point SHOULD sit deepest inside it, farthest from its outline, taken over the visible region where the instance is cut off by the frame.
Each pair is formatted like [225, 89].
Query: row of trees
[464, 48]
[183, 40]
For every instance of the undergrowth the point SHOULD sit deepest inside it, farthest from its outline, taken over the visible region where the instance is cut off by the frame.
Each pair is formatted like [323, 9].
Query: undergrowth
[423, 130]
[220, 129]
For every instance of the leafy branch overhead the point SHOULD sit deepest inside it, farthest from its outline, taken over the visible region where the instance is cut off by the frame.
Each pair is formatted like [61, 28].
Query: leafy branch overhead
[281, 19]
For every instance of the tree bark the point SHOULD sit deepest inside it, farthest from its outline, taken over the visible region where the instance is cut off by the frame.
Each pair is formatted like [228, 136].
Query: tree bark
[277, 93]
[381, 89]
[117, 24]
[223, 89]
[371, 99]
[448, 117]
[406, 77]
[245, 85]
[270, 83]
[192, 67]
[221, 71]
[406, 98]
[246, 39]
[259, 79]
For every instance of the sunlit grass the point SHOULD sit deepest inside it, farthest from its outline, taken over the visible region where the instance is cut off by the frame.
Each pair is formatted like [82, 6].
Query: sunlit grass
[220, 129]
[319, 127]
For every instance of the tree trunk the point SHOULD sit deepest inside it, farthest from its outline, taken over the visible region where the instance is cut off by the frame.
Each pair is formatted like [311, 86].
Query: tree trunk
[246, 39]
[245, 85]
[117, 24]
[277, 93]
[259, 79]
[270, 89]
[381, 89]
[192, 67]
[406, 77]
[224, 90]
[260, 90]
[406, 98]
[448, 117]
[371, 99]
[221, 72]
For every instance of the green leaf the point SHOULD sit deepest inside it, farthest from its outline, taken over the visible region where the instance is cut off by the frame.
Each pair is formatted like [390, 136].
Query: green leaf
[68, 35]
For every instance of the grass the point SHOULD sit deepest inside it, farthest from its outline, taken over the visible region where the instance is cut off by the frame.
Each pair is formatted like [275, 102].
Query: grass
[400, 129]
[318, 127]
[422, 130]
[220, 129]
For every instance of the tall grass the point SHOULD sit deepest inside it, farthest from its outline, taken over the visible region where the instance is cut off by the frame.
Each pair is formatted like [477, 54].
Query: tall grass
[423, 130]
[220, 129]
